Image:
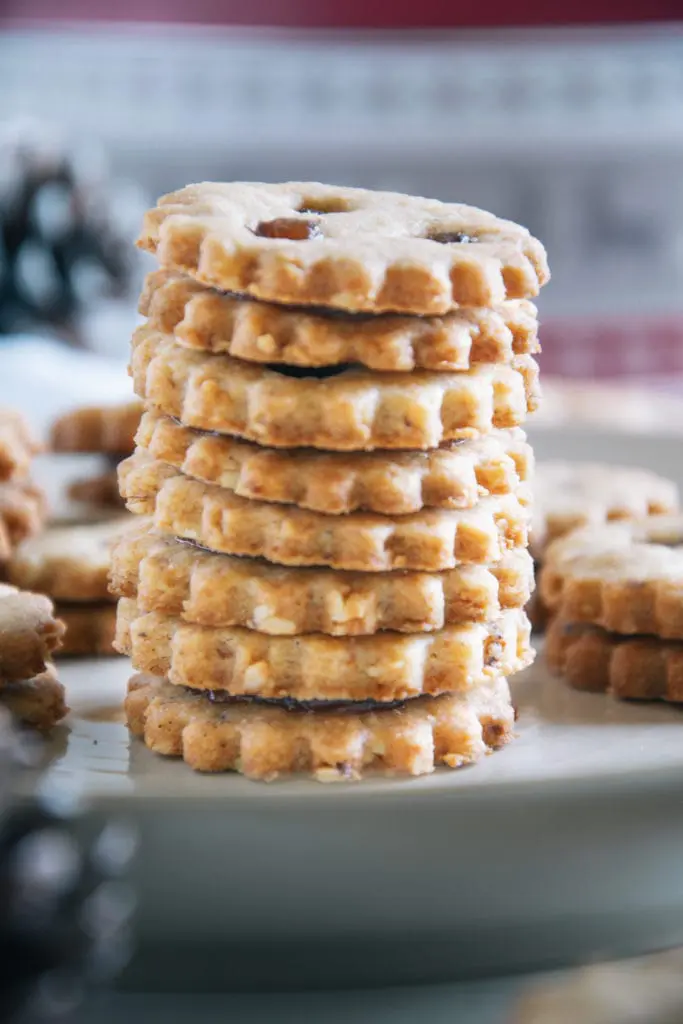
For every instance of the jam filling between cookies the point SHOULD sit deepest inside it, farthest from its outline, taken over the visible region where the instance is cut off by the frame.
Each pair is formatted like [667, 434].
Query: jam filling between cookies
[354, 707]
[320, 372]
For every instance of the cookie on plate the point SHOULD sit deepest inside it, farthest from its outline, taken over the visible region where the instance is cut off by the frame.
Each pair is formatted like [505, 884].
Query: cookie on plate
[333, 741]
[349, 409]
[39, 702]
[90, 629]
[385, 666]
[165, 575]
[100, 491]
[626, 577]
[29, 634]
[71, 565]
[17, 445]
[572, 494]
[393, 483]
[569, 495]
[431, 540]
[97, 429]
[630, 668]
[23, 512]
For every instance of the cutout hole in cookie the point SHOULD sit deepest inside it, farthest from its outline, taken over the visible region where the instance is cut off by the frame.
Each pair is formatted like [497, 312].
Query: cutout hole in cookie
[328, 204]
[294, 228]
[321, 372]
[445, 237]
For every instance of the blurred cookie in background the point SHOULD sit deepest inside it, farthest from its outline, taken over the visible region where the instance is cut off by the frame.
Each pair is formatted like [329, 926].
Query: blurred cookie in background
[23, 505]
[70, 564]
[106, 431]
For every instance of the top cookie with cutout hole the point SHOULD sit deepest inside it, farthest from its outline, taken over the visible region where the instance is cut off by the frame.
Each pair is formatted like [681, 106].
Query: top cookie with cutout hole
[343, 248]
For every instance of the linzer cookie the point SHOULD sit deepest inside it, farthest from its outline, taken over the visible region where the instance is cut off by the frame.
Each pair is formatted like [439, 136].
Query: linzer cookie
[209, 320]
[263, 741]
[23, 510]
[343, 247]
[395, 483]
[29, 633]
[39, 702]
[630, 668]
[106, 429]
[90, 629]
[626, 577]
[387, 666]
[70, 563]
[431, 540]
[352, 409]
[17, 445]
[167, 576]
[100, 491]
[572, 494]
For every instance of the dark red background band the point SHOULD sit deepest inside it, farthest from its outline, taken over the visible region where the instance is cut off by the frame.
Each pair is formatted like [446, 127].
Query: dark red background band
[350, 14]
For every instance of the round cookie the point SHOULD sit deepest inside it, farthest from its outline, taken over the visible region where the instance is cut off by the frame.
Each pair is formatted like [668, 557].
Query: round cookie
[29, 633]
[391, 483]
[572, 494]
[217, 519]
[263, 741]
[352, 410]
[209, 320]
[386, 666]
[99, 428]
[639, 668]
[99, 492]
[39, 702]
[167, 576]
[23, 511]
[348, 248]
[626, 577]
[90, 630]
[70, 563]
[17, 445]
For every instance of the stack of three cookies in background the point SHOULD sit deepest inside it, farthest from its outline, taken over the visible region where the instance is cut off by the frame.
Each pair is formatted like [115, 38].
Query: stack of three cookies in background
[332, 568]
[29, 631]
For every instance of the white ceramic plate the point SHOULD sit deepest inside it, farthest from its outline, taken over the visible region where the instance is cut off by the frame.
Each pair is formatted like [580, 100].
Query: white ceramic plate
[564, 846]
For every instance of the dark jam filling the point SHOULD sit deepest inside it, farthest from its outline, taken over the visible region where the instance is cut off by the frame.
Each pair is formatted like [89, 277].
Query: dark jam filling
[320, 372]
[289, 704]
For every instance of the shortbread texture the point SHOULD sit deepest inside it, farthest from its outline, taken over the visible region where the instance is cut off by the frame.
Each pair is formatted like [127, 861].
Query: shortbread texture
[345, 248]
[331, 483]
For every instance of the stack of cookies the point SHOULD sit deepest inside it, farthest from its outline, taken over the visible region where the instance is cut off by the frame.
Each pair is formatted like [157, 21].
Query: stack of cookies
[23, 508]
[616, 595]
[29, 631]
[569, 495]
[332, 566]
[108, 431]
[29, 636]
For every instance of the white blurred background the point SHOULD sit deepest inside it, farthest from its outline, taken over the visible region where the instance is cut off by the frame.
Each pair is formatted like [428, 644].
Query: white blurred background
[575, 132]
